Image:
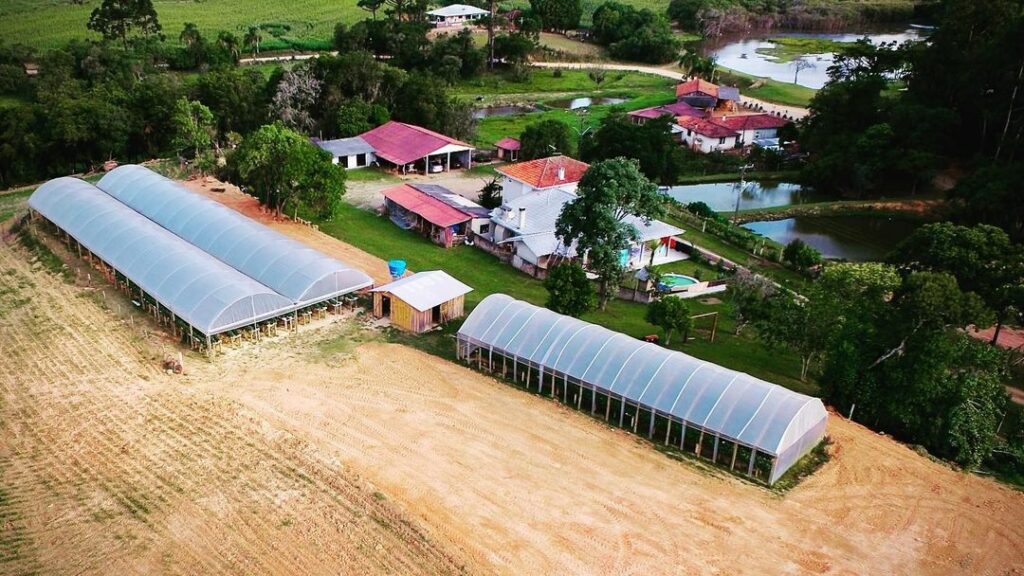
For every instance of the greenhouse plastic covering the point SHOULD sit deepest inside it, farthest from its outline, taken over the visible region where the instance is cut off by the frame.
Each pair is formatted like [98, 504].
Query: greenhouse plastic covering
[303, 274]
[198, 288]
[731, 404]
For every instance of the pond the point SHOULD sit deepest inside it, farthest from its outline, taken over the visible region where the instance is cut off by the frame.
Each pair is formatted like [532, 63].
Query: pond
[502, 111]
[577, 103]
[740, 52]
[721, 196]
[854, 238]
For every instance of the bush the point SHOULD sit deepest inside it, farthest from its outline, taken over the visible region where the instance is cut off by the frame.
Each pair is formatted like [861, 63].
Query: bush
[801, 255]
[557, 73]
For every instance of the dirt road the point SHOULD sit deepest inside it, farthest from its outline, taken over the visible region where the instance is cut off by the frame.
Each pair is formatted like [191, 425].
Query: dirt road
[795, 112]
[109, 466]
[520, 485]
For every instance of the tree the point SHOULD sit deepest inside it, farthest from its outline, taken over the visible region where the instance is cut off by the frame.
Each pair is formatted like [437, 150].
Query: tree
[296, 95]
[632, 34]
[117, 19]
[514, 48]
[193, 127]
[800, 64]
[981, 258]
[284, 168]
[671, 315]
[800, 254]
[545, 138]
[356, 116]
[597, 76]
[686, 12]
[371, 6]
[558, 15]
[253, 38]
[697, 65]
[569, 290]
[749, 295]
[490, 194]
[229, 43]
[609, 192]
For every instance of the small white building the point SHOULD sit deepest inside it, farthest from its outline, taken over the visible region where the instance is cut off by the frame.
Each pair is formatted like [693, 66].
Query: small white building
[707, 136]
[455, 15]
[349, 153]
[753, 127]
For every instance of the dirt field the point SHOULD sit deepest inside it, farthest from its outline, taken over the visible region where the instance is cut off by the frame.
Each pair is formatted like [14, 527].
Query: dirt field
[298, 458]
[109, 466]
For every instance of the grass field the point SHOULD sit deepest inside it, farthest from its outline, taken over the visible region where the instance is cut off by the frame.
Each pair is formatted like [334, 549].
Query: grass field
[789, 48]
[51, 23]
[766, 88]
[487, 275]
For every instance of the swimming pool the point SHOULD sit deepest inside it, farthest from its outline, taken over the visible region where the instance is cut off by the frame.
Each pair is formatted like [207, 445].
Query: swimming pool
[675, 282]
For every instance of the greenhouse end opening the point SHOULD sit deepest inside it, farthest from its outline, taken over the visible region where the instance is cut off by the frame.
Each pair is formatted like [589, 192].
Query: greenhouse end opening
[739, 422]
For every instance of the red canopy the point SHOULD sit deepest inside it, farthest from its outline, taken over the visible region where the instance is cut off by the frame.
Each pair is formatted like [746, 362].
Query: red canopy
[425, 206]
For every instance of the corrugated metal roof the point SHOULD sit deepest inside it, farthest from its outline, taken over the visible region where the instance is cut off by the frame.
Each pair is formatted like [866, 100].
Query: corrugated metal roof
[401, 143]
[457, 10]
[426, 206]
[346, 146]
[452, 199]
[424, 290]
[508, 143]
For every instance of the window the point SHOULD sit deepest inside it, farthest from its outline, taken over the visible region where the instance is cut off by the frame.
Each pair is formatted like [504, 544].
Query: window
[721, 140]
[360, 159]
[485, 228]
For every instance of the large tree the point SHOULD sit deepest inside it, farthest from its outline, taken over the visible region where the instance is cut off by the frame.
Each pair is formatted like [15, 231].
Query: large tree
[194, 127]
[569, 290]
[118, 19]
[609, 191]
[558, 15]
[295, 99]
[284, 169]
[546, 138]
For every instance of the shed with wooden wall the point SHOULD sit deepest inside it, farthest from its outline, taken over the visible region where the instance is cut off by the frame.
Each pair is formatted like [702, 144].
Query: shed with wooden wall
[421, 301]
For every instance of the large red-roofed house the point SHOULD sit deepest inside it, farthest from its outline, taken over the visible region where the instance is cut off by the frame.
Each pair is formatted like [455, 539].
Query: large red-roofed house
[551, 172]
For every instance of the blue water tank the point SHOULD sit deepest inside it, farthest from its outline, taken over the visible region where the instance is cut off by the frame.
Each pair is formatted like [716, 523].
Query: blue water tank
[396, 268]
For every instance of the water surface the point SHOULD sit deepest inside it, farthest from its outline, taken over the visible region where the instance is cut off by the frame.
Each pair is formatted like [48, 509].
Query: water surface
[854, 238]
[577, 103]
[721, 196]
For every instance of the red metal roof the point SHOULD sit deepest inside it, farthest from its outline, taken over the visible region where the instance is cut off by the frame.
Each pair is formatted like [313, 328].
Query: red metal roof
[751, 121]
[706, 127]
[425, 206]
[697, 85]
[401, 143]
[507, 143]
[674, 109]
[543, 172]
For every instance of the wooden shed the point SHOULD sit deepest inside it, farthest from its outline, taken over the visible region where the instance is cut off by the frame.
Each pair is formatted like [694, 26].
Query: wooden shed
[421, 301]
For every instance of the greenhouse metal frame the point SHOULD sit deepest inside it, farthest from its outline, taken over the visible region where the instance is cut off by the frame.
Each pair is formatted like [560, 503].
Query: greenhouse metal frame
[290, 268]
[745, 424]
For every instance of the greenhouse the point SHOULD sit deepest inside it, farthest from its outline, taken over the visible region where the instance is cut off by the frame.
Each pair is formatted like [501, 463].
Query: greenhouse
[154, 266]
[302, 274]
[737, 421]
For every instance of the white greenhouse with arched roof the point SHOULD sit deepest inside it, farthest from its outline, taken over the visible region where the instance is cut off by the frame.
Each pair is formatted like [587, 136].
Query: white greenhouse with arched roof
[738, 421]
[208, 295]
[292, 269]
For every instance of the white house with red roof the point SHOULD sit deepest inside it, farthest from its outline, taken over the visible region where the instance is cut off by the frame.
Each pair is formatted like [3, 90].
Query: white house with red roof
[703, 135]
[752, 127]
[541, 174]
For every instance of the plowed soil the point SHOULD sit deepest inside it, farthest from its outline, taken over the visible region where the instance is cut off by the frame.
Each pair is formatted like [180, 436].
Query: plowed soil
[110, 466]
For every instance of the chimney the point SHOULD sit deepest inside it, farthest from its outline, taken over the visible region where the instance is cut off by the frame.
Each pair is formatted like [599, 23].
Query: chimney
[522, 218]
[561, 173]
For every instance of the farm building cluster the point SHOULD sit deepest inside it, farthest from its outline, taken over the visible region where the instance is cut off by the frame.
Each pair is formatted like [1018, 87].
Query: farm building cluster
[207, 271]
[405, 148]
[739, 422]
[522, 230]
[709, 118]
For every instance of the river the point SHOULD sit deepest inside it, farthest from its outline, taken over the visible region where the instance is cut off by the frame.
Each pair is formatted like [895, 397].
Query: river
[739, 52]
[854, 238]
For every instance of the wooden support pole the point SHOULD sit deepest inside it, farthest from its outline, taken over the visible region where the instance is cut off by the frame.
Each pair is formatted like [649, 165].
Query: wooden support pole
[750, 465]
[654, 418]
[735, 449]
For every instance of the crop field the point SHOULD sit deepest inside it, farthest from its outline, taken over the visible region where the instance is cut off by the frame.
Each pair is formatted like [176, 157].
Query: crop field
[312, 454]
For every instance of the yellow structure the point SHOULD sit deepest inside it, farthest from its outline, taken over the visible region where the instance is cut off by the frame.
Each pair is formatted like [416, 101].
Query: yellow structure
[421, 301]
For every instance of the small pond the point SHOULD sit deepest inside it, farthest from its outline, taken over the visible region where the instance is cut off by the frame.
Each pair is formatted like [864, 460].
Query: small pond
[740, 52]
[721, 196]
[854, 238]
[577, 103]
[502, 111]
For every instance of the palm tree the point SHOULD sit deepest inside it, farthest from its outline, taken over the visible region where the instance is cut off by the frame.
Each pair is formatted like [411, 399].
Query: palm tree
[697, 65]
[190, 35]
[229, 43]
[253, 38]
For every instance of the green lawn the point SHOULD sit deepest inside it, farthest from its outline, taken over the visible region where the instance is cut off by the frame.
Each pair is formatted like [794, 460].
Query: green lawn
[51, 23]
[11, 202]
[544, 82]
[766, 88]
[487, 275]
